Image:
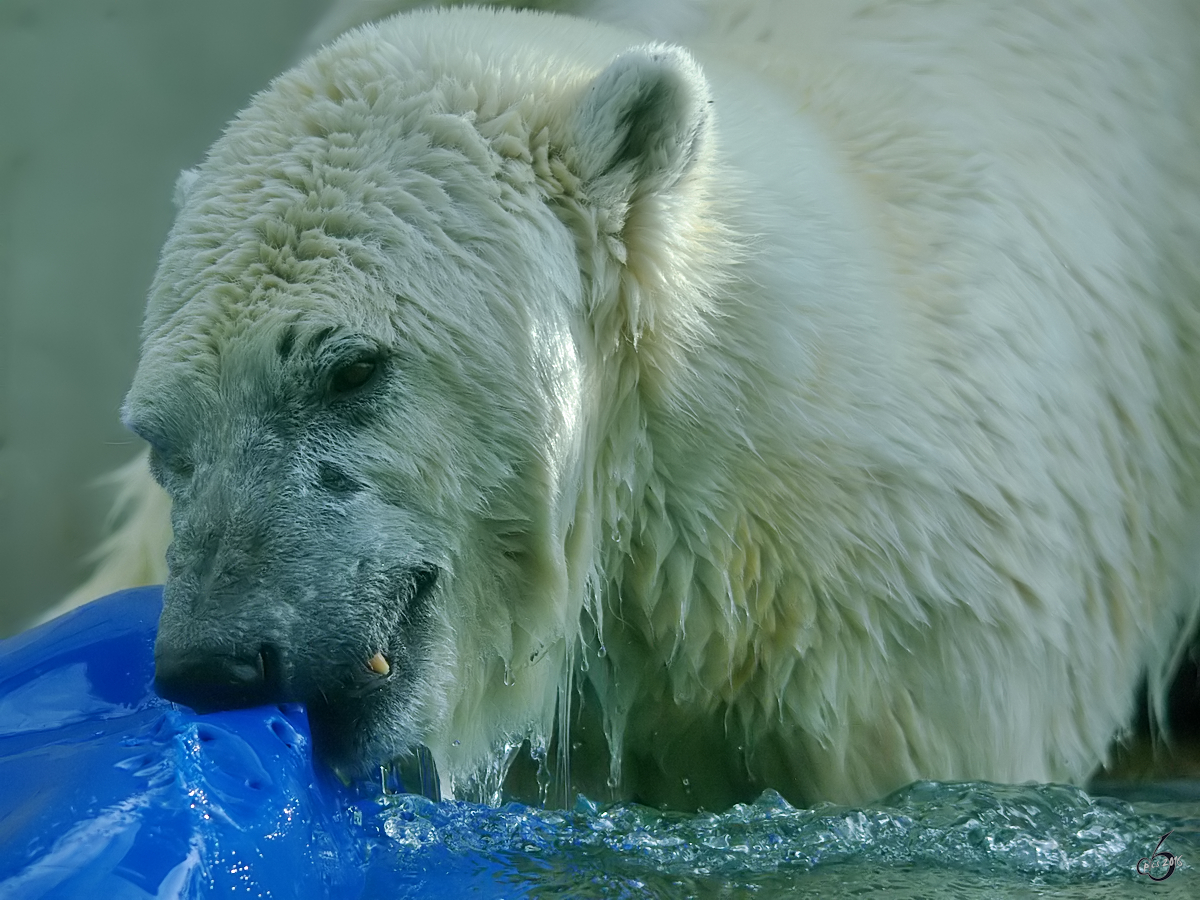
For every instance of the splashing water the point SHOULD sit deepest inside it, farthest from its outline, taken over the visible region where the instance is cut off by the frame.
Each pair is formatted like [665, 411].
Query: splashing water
[928, 840]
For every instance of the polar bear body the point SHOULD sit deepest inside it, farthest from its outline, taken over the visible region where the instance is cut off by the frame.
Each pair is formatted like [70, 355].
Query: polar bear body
[819, 411]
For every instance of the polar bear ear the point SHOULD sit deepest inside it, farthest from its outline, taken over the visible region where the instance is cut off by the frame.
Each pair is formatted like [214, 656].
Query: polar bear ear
[183, 186]
[641, 124]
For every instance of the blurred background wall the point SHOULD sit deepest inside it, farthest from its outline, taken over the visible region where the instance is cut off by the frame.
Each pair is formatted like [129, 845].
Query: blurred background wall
[102, 102]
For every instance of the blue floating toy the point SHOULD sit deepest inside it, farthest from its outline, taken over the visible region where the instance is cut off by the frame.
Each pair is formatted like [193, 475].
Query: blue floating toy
[108, 791]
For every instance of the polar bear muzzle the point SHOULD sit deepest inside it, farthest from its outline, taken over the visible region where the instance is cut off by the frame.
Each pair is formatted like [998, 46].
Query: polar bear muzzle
[349, 676]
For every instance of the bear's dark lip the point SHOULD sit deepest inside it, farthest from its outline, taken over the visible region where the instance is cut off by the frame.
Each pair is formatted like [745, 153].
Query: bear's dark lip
[342, 727]
[365, 684]
[333, 724]
[342, 709]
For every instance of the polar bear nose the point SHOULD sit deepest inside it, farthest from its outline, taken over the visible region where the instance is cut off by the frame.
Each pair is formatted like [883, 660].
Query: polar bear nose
[209, 681]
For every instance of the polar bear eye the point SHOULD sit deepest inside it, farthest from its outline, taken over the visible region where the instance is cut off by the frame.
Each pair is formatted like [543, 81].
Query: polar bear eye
[335, 480]
[164, 465]
[353, 375]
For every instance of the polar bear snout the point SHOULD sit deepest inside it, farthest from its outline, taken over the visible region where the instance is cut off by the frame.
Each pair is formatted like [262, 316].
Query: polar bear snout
[358, 667]
[208, 681]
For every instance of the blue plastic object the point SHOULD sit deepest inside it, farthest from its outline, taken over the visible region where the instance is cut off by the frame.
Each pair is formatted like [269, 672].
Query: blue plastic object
[107, 791]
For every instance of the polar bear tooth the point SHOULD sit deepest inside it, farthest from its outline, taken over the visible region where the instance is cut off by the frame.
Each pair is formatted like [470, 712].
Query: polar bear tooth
[379, 665]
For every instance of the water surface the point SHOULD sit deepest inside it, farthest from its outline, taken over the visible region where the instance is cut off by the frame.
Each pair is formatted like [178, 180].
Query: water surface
[928, 840]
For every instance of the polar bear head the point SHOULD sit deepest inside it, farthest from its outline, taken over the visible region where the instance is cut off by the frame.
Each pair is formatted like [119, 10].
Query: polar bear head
[378, 358]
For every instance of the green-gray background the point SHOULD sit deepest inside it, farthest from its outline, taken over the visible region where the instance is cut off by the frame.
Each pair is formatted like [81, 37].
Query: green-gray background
[102, 102]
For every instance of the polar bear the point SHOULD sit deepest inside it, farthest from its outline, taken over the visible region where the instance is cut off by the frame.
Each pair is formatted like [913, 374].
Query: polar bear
[815, 408]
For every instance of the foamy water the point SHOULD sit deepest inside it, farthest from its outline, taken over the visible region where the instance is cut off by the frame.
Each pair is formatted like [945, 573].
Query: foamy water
[927, 840]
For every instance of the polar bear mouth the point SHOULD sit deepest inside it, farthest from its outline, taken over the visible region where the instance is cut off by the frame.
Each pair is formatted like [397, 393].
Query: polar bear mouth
[365, 717]
[360, 724]
[359, 685]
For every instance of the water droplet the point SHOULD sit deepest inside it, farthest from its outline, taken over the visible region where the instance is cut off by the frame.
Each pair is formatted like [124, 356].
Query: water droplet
[538, 749]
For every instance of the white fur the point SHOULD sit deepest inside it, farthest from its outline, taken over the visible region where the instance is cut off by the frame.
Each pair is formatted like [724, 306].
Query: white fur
[869, 425]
